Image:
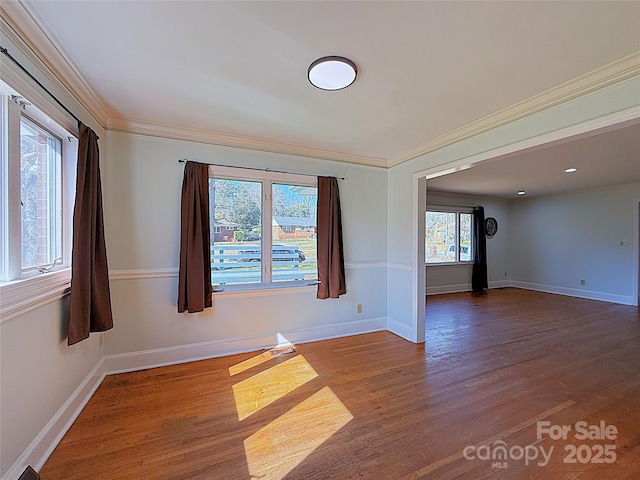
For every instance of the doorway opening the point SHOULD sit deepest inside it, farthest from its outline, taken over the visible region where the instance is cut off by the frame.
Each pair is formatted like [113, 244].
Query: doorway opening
[420, 186]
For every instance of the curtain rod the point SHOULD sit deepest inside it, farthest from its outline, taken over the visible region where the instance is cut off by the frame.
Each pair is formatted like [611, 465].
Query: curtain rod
[185, 160]
[5, 52]
[431, 204]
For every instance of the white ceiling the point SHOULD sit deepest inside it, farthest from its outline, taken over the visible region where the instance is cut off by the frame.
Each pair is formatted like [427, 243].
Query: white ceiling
[602, 159]
[237, 69]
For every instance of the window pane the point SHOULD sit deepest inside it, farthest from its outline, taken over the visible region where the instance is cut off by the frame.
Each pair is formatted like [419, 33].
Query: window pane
[293, 233]
[466, 227]
[440, 237]
[41, 214]
[236, 226]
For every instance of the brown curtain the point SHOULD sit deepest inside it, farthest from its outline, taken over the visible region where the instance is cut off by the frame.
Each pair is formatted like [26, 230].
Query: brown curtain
[194, 276]
[330, 254]
[479, 279]
[90, 296]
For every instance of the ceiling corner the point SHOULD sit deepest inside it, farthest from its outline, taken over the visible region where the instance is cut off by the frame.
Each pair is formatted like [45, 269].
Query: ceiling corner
[39, 49]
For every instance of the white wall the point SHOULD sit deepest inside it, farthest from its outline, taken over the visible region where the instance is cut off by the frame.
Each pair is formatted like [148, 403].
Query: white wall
[142, 183]
[557, 241]
[552, 243]
[456, 278]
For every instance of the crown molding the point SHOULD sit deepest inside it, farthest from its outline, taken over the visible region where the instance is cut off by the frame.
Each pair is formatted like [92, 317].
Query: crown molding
[34, 43]
[602, 77]
[237, 141]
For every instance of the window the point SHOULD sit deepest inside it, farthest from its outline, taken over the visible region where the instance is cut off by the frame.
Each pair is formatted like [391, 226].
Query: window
[37, 174]
[255, 249]
[40, 194]
[448, 237]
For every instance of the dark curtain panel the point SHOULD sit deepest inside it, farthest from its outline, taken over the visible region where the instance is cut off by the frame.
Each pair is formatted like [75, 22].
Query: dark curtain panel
[90, 296]
[194, 276]
[479, 275]
[330, 255]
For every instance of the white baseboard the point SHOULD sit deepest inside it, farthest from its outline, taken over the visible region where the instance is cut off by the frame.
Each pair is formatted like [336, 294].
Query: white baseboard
[442, 289]
[575, 292]
[571, 292]
[400, 329]
[38, 451]
[464, 287]
[157, 357]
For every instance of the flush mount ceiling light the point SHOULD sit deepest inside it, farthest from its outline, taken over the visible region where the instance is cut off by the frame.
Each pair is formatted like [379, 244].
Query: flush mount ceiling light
[522, 192]
[332, 73]
[571, 170]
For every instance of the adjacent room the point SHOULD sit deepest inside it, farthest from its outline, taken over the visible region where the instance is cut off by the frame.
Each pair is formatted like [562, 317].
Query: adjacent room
[310, 240]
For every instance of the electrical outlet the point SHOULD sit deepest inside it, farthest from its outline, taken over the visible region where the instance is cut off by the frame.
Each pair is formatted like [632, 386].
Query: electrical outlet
[359, 308]
[583, 282]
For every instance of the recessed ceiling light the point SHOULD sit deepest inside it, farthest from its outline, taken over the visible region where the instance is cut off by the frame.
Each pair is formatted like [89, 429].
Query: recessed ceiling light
[571, 170]
[332, 73]
[522, 192]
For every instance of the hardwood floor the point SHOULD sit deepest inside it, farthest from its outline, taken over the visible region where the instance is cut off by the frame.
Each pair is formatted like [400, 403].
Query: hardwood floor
[377, 407]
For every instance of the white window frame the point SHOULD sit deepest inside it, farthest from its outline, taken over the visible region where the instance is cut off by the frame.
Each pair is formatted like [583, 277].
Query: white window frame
[458, 211]
[267, 179]
[24, 289]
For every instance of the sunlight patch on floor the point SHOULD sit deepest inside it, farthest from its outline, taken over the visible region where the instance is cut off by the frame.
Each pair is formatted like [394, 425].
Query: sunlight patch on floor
[262, 389]
[277, 448]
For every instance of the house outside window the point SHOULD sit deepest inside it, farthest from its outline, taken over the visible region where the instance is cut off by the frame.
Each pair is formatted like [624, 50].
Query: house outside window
[448, 236]
[252, 250]
[293, 227]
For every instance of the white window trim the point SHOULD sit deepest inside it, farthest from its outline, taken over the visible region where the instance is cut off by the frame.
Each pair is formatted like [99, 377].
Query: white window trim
[268, 179]
[24, 291]
[261, 290]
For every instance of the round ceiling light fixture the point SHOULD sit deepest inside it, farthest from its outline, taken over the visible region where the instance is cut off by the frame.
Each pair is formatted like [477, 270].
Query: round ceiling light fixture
[570, 170]
[522, 193]
[332, 73]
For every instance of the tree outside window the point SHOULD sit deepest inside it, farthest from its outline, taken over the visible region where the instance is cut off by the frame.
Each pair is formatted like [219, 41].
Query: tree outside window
[263, 232]
[448, 237]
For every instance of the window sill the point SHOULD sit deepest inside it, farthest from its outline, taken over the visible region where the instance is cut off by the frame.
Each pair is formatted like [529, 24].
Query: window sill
[448, 264]
[258, 290]
[25, 294]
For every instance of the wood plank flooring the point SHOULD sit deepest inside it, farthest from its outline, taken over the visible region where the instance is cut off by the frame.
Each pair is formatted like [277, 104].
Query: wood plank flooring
[377, 407]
